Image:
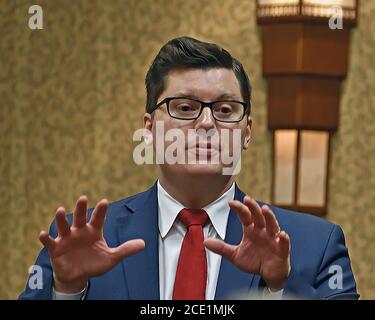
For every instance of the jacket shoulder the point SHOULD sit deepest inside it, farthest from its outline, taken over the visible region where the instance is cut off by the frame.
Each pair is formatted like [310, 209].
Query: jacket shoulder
[302, 219]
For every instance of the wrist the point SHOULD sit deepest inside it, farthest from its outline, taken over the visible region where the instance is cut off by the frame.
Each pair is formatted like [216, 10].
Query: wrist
[277, 284]
[70, 286]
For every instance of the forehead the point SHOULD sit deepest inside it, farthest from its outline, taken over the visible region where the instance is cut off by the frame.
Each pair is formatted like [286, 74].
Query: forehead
[202, 83]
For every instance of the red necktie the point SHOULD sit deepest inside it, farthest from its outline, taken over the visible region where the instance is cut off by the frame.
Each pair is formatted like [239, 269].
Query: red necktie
[191, 274]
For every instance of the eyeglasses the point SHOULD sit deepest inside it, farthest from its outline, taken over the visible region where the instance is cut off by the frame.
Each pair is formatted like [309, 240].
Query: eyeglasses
[190, 109]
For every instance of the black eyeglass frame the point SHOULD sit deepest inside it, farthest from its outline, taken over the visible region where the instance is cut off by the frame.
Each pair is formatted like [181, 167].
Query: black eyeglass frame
[203, 105]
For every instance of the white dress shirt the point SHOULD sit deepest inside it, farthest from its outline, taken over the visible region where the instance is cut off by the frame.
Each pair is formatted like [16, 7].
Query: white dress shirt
[172, 232]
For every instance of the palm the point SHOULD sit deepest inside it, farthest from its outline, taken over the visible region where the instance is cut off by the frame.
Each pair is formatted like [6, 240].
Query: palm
[259, 253]
[84, 254]
[80, 251]
[263, 249]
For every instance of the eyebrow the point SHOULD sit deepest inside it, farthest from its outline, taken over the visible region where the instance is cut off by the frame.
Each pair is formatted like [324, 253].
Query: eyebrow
[223, 96]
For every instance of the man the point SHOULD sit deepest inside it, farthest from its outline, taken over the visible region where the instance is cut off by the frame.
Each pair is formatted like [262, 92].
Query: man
[194, 234]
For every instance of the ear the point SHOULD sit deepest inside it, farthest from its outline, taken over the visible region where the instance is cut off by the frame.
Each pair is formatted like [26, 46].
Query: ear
[147, 124]
[247, 138]
[147, 121]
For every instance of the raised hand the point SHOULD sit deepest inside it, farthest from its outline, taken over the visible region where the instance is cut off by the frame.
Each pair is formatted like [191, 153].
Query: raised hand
[80, 251]
[264, 248]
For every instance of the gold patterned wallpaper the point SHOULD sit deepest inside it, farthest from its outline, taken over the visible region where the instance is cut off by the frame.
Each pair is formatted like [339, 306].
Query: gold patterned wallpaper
[72, 94]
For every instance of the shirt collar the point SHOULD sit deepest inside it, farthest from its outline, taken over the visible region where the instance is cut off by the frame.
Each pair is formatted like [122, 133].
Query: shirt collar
[218, 210]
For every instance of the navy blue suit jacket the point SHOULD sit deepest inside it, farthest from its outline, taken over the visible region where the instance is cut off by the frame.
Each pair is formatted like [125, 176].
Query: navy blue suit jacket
[316, 245]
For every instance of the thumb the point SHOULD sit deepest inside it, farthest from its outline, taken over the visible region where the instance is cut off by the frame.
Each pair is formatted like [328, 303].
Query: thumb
[220, 247]
[128, 248]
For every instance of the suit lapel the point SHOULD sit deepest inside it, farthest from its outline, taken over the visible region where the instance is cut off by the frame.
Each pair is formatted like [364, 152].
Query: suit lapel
[141, 270]
[232, 280]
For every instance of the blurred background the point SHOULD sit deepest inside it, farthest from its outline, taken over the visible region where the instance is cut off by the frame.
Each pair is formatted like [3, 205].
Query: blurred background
[72, 94]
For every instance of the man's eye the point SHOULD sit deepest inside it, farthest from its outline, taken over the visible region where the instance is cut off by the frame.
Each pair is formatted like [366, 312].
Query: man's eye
[186, 108]
[225, 109]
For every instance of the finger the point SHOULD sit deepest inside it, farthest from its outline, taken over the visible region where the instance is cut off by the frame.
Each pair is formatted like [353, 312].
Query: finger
[243, 212]
[98, 216]
[256, 212]
[79, 214]
[62, 225]
[47, 240]
[220, 247]
[272, 225]
[127, 249]
[284, 243]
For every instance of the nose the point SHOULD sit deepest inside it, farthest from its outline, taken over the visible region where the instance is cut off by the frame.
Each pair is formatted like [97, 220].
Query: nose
[205, 120]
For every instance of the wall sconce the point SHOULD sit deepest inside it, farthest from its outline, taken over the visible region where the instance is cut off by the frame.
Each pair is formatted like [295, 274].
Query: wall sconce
[304, 62]
[301, 169]
[299, 9]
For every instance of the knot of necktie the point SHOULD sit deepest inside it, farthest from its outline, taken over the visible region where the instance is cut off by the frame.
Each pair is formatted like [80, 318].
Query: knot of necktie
[191, 217]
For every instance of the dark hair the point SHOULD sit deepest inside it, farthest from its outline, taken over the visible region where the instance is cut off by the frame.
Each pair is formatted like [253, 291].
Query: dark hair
[186, 52]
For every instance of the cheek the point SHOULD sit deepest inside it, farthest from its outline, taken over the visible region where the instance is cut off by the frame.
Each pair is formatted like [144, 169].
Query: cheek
[164, 125]
[232, 136]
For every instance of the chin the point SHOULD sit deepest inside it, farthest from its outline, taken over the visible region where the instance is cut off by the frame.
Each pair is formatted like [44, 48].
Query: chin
[202, 169]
